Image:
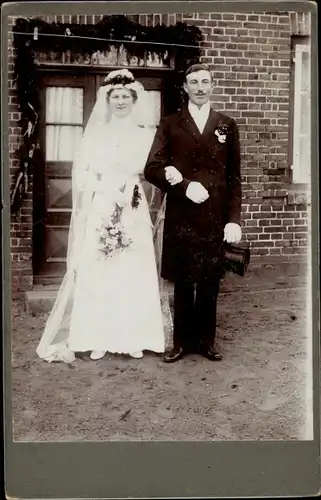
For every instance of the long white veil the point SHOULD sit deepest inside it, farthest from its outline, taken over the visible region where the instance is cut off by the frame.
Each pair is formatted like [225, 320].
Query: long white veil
[53, 345]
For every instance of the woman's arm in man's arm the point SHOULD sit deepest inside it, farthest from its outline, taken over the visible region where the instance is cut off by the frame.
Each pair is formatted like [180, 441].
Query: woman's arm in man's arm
[159, 158]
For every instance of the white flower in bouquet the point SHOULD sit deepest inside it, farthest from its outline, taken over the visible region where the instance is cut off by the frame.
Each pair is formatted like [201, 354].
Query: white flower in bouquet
[126, 240]
[112, 234]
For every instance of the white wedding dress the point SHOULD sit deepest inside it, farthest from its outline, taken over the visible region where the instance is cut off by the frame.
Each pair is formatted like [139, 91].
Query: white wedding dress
[109, 302]
[117, 303]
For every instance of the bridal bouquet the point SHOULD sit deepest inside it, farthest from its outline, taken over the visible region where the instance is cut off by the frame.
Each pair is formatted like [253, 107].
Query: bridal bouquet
[112, 236]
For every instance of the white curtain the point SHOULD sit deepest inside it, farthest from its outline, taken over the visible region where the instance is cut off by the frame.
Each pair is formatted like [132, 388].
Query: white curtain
[152, 107]
[64, 119]
[304, 147]
[151, 104]
[64, 122]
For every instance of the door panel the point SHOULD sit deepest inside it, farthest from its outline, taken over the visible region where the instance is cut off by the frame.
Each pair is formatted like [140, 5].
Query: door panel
[58, 193]
[56, 244]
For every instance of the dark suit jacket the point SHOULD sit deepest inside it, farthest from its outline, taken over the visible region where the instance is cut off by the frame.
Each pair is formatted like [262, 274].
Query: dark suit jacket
[193, 233]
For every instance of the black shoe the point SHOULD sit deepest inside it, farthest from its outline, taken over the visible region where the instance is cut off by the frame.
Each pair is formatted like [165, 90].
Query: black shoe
[173, 355]
[211, 353]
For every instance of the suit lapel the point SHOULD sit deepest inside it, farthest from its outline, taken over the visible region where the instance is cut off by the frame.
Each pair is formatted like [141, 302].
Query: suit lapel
[187, 123]
[211, 123]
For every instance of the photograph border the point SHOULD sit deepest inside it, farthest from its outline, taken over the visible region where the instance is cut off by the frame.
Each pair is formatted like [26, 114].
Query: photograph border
[160, 469]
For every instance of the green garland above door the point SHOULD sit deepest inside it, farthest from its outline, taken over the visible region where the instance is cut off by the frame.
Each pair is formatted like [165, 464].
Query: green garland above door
[179, 43]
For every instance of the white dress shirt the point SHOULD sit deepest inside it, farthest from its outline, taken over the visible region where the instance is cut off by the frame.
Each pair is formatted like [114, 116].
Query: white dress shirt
[199, 115]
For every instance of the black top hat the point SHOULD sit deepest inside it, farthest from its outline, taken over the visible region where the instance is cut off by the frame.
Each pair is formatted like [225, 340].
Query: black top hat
[235, 258]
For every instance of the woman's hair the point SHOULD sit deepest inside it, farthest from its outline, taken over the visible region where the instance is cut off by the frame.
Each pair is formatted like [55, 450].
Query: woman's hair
[132, 91]
[120, 79]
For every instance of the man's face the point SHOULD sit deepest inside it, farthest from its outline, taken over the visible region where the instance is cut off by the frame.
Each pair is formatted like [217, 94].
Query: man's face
[199, 87]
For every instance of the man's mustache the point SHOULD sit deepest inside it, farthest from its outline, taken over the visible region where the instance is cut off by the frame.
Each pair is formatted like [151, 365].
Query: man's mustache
[200, 94]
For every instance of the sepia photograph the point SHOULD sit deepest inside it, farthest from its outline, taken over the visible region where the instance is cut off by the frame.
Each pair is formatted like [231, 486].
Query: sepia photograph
[160, 197]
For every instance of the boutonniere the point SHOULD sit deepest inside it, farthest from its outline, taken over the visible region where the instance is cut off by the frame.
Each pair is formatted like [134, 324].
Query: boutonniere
[221, 132]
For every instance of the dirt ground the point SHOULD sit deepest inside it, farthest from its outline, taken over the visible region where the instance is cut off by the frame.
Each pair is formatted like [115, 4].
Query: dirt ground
[257, 392]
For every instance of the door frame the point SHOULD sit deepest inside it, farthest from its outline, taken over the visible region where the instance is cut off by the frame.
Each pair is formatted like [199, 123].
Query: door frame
[51, 75]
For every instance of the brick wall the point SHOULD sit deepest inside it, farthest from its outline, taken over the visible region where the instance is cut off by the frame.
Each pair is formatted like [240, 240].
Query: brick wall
[249, 55]
[21, 232]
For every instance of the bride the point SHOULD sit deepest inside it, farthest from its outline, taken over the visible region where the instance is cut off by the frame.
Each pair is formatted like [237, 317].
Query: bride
[109, 300]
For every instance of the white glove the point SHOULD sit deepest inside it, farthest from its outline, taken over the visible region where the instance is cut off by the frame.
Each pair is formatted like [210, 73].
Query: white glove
[232, 233]
[173, 176]
[196, 192]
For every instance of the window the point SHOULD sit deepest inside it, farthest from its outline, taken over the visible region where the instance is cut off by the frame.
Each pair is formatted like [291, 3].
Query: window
[150, 105]
[64, 119]
[64, 122]
[301, 138]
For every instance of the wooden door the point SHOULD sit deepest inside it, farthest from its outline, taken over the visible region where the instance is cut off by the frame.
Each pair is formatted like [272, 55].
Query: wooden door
[67, 102]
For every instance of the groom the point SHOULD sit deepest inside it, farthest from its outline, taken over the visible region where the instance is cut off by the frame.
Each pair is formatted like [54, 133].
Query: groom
[195, 159]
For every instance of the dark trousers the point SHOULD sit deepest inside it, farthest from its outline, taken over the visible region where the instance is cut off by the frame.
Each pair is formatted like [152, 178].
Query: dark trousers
[195, 314]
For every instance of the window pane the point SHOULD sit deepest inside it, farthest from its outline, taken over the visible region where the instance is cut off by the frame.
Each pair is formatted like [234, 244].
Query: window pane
[64, 105]
[150, 105]
[305, 114]
[154, 60]
[304, 156]
[302, 114]
[62, 142]
[305, 79]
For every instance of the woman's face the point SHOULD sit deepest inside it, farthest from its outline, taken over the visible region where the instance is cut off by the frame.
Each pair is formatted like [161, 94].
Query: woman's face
[120, 102]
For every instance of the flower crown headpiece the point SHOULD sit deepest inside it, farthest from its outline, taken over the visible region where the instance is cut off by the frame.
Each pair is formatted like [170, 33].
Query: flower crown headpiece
[122, 78]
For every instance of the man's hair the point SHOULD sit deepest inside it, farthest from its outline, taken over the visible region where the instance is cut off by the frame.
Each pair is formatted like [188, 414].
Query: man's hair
[197, 67]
